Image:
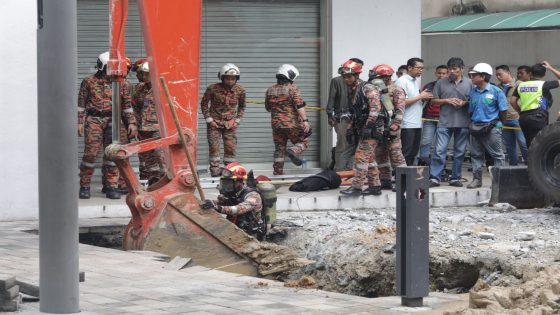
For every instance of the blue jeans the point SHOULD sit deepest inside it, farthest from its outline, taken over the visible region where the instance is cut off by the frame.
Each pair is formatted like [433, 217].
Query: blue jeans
[460, 140]
[428, 135]
[513, 138]
[491, 143]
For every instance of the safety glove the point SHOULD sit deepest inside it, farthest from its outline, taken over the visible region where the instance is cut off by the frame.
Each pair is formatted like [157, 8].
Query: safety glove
[209, 204]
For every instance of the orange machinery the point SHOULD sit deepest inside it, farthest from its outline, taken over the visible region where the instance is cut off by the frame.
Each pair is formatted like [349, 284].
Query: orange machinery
[167, 217]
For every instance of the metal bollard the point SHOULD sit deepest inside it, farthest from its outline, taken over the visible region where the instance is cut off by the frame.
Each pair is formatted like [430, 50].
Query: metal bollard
[412, 234]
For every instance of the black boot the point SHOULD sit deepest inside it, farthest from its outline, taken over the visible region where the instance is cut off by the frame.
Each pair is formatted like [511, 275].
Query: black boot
[352, 191]
[477, 180]
[123, 191]
[295, 159]
[112, 193]
[84, 193]
[104, 189]
[386, 184]
[375, 190]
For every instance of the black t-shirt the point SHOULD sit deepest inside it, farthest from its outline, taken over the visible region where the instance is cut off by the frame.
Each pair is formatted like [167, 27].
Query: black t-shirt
[547, 86]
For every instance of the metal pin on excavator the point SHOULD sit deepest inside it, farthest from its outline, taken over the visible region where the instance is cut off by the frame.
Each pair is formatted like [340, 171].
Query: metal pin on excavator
[167, 216]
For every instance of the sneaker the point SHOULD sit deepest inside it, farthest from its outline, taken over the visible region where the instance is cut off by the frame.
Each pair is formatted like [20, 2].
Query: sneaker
[84, 193]
[295, 159]
[352, 191]
[112, 193]
[455, 183]
[375, 190]
[434, 182]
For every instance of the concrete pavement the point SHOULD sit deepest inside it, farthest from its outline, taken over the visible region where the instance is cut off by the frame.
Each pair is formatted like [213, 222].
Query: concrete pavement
[119, 282]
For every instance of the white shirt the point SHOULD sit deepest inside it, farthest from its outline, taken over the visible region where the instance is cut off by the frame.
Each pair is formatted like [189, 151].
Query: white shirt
[413, 113]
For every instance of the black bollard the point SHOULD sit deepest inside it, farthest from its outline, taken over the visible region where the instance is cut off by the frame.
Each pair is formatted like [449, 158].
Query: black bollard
[412, 234]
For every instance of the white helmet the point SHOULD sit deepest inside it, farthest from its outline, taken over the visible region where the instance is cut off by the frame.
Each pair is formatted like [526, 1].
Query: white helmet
[102, 60]
[144, 67]
[482, 68]
[229, 69]
[288, 71]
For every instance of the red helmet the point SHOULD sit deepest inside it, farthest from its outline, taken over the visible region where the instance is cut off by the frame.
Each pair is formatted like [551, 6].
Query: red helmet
[237, 170]
[137, 64]
[350, 67]
[381, 71]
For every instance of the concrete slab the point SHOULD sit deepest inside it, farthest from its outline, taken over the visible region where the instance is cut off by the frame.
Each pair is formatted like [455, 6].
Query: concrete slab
[122, 282]
[444, 196]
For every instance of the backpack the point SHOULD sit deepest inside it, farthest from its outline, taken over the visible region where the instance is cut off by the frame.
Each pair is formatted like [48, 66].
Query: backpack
[360, 109]
[327, 179]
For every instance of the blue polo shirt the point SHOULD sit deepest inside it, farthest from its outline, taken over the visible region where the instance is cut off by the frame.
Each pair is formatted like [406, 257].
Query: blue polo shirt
[486, 105]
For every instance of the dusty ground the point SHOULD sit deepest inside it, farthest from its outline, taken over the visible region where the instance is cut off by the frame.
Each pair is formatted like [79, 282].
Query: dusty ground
[354, 249]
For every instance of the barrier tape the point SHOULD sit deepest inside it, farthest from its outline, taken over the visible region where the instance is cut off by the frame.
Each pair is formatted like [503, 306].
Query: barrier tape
[503, 127]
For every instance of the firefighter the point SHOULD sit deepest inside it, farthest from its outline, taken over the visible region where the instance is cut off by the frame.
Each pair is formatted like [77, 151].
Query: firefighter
[242, 205]
[151, 162]
[94, 123]
[368, 120]
[227, 106]
[288, 118]
[341, 95]
[389, 152]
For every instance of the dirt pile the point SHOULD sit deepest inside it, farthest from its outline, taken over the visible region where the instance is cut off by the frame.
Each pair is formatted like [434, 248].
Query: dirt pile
[540, 295]
[272, 258]
[305, 282]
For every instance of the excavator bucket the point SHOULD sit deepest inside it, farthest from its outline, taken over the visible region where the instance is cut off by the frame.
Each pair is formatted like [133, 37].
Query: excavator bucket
[167, 217]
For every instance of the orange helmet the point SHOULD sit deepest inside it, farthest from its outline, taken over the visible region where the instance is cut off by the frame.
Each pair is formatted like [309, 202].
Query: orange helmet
[237, 170]
[350, 67]
[381, 71]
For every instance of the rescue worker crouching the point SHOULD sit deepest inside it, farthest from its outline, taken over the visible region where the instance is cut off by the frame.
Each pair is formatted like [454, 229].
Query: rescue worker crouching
[367, 128]
[242, 204]
[227, 107]
[288, 118]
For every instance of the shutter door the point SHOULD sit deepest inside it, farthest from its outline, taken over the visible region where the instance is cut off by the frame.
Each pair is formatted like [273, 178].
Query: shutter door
[258, 36]
[93, 39]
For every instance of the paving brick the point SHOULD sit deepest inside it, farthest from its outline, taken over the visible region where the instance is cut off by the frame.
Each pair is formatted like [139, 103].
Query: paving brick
[6, 282]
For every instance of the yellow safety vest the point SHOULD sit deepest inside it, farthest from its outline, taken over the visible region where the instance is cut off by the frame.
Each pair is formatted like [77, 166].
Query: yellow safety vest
[530, 95]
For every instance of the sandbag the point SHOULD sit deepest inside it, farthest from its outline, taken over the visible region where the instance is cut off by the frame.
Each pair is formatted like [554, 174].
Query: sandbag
[327, 179]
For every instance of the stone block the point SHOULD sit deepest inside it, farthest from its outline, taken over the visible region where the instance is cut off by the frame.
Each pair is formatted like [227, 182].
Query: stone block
[9, 294]
[12, 305]
[177, 263]
[6, 282]
[511, 184]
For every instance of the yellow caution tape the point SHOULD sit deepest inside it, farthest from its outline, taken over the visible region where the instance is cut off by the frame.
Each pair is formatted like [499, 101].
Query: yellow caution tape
[503, 127]
[262, 103]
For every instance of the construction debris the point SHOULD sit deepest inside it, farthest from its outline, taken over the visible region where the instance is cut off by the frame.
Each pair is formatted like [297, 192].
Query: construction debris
[10, 298]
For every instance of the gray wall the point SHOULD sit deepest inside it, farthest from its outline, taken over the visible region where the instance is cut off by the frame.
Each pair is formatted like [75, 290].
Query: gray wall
[510, 48]
[433, 8]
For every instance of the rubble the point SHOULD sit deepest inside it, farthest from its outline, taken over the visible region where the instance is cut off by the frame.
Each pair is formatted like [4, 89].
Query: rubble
[356, 256]
[10, 298]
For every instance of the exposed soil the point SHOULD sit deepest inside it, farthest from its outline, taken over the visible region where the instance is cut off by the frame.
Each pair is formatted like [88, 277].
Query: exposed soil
[354, 250]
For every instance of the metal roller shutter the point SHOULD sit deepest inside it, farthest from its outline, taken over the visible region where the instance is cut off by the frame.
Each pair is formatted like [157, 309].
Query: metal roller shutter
[258, 36]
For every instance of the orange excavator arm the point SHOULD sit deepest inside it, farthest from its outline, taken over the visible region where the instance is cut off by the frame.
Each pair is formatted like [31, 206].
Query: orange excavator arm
[167, 217]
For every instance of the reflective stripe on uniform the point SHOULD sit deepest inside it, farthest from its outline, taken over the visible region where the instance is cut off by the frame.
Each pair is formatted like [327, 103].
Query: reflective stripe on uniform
[233, 210]
[109, 163]
[278, 159]
[128, 110]
[362, 166]
[214, 159]
[88, 165]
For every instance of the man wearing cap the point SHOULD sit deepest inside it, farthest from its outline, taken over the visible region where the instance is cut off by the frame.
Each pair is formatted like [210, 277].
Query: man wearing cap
[341, 95]
[488, 110]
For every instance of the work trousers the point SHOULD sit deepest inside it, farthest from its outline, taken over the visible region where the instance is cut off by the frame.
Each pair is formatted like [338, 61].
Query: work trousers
[389, 154]
[151, 162]
[490, 143]
[280, 136]
[97, 136]
[365, 167]
[344, 152]
[532, 122]
[229, 138]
